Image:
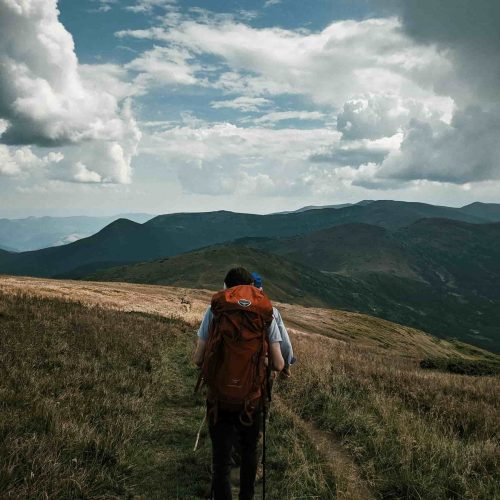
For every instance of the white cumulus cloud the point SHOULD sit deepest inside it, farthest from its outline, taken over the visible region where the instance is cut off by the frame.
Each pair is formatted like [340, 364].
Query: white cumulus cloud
[149, 5]
[278, 116]
[49, 100]
[15, 161]
[346, 59]
[242, 103]
[466, 150]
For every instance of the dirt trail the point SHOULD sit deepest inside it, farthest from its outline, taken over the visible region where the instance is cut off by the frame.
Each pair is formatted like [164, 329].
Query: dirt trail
[350, 485]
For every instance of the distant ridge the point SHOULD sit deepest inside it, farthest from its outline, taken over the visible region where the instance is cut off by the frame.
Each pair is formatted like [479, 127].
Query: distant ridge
[205, 268]
[320, 207]
[34, 233]
[488, 211]
[316, 207]
[7, 249]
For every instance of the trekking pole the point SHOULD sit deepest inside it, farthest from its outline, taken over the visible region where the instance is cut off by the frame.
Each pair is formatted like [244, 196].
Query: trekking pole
[264, 455]
[199, 432]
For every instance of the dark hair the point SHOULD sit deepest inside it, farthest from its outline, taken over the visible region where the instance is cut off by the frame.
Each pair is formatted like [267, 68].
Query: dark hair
[238, 276]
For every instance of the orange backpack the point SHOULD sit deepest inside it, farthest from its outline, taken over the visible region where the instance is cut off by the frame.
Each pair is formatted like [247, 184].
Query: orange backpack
[234, 365]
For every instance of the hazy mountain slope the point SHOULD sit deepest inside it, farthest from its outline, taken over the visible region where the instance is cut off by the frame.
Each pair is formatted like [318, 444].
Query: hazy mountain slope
[487, 211]
[350, 249]
[453, 255]
[316, 207]
[33, 233]
[5, 255]
[121, 241]
[456, 256]
[6, 248]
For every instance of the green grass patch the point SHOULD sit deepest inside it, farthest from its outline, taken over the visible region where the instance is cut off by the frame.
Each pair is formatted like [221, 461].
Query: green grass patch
[462, 366]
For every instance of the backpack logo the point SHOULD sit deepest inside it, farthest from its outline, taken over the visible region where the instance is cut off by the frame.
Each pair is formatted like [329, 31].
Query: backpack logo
[244, 303]
[235, 382]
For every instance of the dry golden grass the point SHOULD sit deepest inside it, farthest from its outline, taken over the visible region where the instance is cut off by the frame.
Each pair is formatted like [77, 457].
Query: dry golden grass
[182, 303]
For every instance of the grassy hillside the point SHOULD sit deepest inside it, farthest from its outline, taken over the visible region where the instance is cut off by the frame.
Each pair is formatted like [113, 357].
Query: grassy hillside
[415, 434]
[99, 403]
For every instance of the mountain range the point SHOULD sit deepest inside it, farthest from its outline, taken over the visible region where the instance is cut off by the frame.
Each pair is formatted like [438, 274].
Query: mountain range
[125, 241]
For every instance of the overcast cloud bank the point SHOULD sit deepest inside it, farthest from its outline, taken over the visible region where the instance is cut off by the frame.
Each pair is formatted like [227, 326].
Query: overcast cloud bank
[407, 97]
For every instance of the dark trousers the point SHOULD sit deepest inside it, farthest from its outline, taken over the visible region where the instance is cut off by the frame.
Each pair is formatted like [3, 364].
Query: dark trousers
[227, 431]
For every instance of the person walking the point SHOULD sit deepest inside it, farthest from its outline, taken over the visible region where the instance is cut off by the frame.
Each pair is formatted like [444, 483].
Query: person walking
[286, 343]
[238, 343]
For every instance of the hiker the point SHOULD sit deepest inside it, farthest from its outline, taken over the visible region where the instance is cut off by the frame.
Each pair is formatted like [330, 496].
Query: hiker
[286, 344]
[232, 341]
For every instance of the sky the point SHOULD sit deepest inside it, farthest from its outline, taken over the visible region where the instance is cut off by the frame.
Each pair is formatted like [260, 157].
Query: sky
[160, 106]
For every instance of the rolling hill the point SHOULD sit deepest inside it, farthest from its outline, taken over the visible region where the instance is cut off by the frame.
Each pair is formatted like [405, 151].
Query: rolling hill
[285, 281]
[455, 256]
[350, 249]
[122, 241]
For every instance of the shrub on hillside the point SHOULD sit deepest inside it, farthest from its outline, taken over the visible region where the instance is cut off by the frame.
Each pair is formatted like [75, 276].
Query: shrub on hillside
[461, 366]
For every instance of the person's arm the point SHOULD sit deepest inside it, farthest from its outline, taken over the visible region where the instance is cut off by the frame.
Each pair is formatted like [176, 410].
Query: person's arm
[199, 352]
[202, 338]
[277, 361]
[286, 344]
